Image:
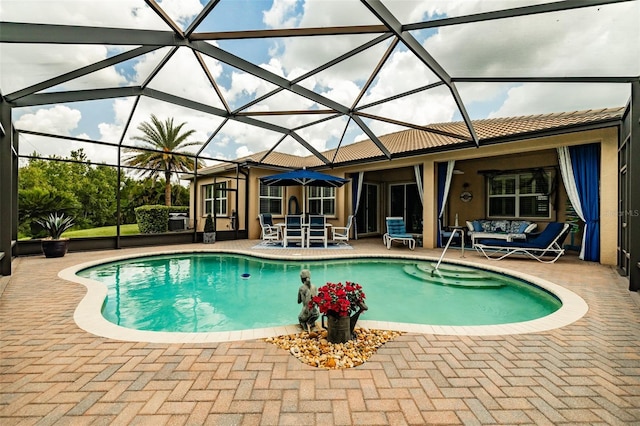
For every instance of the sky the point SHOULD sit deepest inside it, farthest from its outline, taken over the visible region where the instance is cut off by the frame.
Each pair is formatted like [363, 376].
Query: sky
[596, 41]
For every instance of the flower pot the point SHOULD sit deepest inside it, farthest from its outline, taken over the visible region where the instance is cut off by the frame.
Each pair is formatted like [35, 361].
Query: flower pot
[209, 237]
[54, 248]
[338, 328]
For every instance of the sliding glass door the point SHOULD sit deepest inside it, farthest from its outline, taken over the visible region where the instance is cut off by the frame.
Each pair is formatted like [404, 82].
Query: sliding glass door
[404, 202]
[368, 211]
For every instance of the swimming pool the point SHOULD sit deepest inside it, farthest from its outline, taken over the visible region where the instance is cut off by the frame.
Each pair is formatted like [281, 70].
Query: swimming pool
[396, 295]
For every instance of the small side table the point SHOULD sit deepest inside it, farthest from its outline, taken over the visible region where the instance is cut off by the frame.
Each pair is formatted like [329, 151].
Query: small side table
[461, 229]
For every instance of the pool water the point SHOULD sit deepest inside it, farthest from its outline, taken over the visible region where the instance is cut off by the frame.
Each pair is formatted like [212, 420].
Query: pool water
[207, 292]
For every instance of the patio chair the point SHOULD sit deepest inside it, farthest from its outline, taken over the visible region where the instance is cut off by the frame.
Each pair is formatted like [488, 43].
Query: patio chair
[270, 234]
[293, 230]
[397, 231]
[317, 230]
[340, 234]
[547, 244]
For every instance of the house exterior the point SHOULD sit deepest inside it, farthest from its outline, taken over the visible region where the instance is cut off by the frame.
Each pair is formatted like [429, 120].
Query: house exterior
[515, 173]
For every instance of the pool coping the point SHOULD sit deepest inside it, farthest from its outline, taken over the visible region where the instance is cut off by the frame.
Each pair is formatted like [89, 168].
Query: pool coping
[87, 314]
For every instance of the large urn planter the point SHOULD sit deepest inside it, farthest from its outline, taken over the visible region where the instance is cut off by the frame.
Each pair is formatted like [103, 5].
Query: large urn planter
[55, 248]
[55, 224]
[340, 328]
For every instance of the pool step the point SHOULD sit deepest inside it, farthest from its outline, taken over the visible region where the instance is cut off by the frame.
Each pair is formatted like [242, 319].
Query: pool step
[452, 272]
[437, 278]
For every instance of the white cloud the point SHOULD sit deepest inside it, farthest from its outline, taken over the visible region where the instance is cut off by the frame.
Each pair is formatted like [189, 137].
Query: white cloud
[114, 13]
[59, 120]
[280, 14]
[24, 65]
[171, 78]
[582, 42]
[243, 151]
[181, 11]
[535, 98]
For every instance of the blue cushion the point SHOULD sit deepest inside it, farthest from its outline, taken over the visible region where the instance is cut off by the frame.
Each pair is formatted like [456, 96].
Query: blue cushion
[477, 226]
[548, 235]
[522, 227]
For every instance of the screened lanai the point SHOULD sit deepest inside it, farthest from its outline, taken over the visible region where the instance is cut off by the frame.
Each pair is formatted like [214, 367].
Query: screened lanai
[301, 78]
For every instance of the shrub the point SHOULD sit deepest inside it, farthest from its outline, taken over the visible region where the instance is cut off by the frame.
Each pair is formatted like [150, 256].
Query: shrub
[153, 219]
[179, 209]
[56, 224]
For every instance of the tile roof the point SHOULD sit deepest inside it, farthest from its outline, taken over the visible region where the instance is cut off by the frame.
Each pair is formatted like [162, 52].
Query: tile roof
[413, 140]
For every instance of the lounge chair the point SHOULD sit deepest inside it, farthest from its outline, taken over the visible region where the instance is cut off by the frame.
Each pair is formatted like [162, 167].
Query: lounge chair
[317, 230]
[397, 231]
[293, 230]
[270, 234]
[340, 234]
[547, 244]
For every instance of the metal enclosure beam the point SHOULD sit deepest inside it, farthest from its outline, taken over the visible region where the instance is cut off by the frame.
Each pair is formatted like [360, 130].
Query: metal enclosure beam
[378, 9]
[7, 176]
[633, 218]
[13, 32]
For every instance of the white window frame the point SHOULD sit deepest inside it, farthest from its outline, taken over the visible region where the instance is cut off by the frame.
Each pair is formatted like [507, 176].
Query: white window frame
[221, 199]
[517, 196]
[273, 193]
[322, 195]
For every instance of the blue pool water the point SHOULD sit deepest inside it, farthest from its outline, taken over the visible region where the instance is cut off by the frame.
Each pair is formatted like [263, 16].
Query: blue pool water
[208, 292]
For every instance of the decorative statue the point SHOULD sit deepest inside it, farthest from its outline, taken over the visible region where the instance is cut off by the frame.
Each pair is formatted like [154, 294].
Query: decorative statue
[308, 316]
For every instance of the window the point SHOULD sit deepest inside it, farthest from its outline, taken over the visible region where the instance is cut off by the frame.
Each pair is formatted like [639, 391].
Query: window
[270, 199]
[322, 201]
[520, 195]
[220, 199]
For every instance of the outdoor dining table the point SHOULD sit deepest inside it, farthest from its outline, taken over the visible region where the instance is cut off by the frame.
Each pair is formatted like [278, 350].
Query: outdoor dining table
[305, 227]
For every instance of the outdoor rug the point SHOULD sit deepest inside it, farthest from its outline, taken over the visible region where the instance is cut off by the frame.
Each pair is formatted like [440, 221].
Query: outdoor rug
[330, 246]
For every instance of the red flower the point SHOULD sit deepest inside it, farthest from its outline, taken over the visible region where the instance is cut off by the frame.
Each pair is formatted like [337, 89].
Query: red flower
[338, 299]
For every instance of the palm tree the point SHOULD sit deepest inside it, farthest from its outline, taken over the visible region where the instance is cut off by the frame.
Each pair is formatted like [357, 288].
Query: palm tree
[166, 141]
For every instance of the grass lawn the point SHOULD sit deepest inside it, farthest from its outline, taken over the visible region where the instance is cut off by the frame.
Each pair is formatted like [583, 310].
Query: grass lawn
[105, 231]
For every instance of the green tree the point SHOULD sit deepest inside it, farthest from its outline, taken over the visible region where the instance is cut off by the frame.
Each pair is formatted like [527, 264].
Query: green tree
[167, 140]
[66, 185]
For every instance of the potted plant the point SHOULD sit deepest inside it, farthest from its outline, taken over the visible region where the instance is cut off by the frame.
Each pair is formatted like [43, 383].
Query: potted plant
[209, 235]
[340, 305]
[55, 224]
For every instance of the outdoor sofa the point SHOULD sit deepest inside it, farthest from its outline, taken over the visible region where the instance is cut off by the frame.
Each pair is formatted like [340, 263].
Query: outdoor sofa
[499, 229]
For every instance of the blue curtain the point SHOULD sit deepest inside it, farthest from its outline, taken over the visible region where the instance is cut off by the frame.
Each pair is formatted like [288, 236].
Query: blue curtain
[585, 160]
[442, 179]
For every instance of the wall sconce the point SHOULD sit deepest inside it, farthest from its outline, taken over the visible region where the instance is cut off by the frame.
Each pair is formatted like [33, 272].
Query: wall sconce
[466, 195]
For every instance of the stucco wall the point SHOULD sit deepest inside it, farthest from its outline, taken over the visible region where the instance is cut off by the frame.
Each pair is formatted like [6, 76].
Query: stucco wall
[530, 153]
[507, 156]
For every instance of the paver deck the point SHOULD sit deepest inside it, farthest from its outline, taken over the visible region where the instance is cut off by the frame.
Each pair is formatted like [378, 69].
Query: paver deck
[53, 372]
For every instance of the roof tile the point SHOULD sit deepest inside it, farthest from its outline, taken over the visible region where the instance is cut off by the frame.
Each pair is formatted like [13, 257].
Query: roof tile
[411, 140]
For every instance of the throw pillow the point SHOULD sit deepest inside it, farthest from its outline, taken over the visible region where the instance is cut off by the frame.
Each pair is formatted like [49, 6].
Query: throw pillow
[499, 225]
[477, 226]
[522, 227]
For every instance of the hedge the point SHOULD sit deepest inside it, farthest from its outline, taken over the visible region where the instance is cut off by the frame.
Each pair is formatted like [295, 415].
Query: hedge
[153, 219]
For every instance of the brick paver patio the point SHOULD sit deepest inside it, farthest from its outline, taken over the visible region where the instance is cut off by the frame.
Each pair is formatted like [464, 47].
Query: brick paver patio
[53, 372]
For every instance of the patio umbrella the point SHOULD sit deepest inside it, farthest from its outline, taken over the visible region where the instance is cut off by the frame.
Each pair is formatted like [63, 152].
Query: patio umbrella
[303, 177]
